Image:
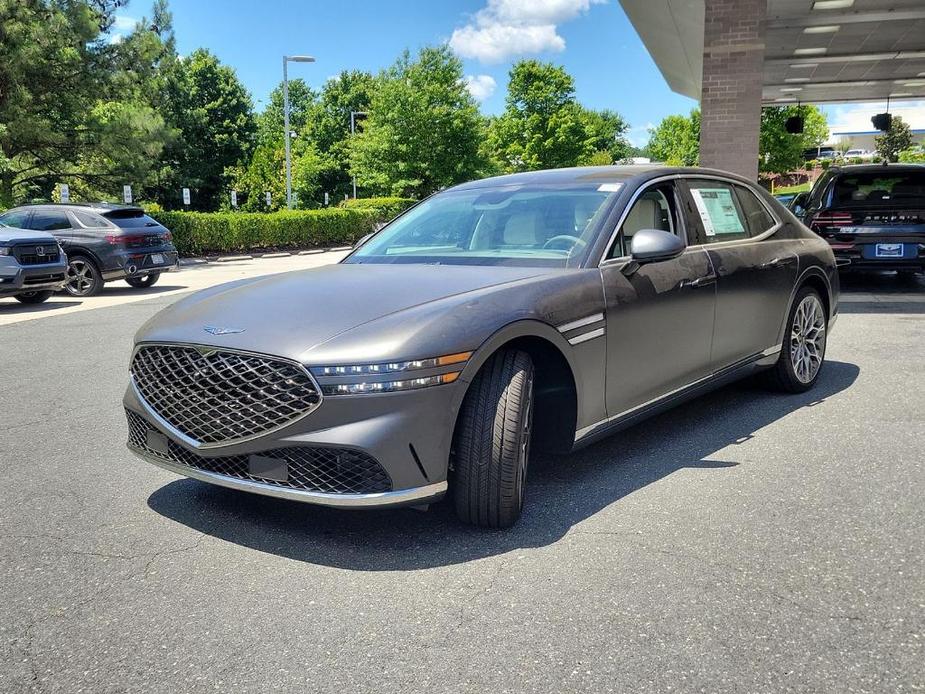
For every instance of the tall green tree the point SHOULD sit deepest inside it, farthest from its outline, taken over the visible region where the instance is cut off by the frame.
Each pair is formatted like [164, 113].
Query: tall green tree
[894, 140]
[676, 140]
[605, 137]
[423, 129]
[780, 151]
[213, 115]
[543, 126]
[67, 101]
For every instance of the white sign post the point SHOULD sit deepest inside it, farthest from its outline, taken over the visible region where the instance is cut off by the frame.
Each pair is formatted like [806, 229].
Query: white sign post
[269, 198]
[234, 198]
[326, 200]
[186, 196]
[65, 193]
[127, 195]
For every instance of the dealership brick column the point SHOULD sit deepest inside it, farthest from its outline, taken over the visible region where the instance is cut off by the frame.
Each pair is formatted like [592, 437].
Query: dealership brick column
[730, 101]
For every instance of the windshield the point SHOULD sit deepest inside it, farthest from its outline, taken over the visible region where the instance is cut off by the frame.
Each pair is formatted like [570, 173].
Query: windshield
[875, 188]
[531, 225]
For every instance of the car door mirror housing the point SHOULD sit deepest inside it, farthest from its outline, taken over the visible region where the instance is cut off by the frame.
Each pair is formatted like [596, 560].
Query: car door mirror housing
[652, 245]
[798, 204]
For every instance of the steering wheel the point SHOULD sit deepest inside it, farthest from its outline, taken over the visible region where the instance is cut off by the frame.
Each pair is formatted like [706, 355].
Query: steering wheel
[573, 241]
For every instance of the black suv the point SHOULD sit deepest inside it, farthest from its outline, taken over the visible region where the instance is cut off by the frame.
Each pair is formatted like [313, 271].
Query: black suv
[103, 242]
[873, 215]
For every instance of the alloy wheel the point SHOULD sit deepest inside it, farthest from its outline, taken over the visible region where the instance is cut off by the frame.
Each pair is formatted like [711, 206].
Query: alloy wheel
[807, 339]
[80, 278]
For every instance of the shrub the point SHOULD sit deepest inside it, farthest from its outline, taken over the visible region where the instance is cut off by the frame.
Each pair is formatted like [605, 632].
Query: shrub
[196, 233]
[388, 207]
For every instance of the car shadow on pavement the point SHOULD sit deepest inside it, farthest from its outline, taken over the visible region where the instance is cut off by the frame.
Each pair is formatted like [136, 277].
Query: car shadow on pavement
[562, 490]
[135, 291]
[13, 307]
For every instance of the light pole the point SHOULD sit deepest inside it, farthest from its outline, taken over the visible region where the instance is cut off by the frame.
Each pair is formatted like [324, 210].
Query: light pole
[286, 60]
[353, 129]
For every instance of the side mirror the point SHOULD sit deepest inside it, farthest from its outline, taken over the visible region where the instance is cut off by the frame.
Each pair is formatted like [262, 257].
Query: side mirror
[652, 245]
[798, 204]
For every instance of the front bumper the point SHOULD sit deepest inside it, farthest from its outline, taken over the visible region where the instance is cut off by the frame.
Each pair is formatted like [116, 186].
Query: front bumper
[17, 279]
[407, 433]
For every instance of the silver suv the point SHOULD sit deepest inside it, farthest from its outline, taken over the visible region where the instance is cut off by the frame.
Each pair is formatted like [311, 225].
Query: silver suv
[32, 265]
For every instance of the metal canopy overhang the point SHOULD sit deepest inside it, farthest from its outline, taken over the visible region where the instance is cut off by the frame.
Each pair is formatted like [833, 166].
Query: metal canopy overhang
[876, 51]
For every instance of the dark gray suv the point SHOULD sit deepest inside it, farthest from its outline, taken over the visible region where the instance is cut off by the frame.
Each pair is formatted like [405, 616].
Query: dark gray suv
[103, 242]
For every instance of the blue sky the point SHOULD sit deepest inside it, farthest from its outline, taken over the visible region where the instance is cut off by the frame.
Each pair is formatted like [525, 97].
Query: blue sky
[593, 39]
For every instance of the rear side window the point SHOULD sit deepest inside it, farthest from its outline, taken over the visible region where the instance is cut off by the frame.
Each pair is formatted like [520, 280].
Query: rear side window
[720, 214]
[757, 217]
[15, 219]
[49, 221]
[879, 188]
[131, 220]
[87, 219]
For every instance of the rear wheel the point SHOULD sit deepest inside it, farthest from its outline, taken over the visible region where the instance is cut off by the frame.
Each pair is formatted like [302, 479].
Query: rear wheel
[34, 297]
[803, 351]
[492, 442]
[83, 277]
[143, 281]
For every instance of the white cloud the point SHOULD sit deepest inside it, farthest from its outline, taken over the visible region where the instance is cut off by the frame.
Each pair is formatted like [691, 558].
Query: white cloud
[116, 38]
[856, 117]
[508, 28]
[123, 22]
[638, 135]
[480, 86]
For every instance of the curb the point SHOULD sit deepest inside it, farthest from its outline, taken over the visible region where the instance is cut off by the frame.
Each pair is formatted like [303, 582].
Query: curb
[188, 262]
[313, 251]
[233, 258]
[282, 254]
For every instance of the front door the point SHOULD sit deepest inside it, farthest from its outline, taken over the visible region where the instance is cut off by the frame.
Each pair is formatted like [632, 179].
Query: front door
[659, 314]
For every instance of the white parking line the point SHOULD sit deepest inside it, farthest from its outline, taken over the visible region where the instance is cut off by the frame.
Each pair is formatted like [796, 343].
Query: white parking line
[189, 278]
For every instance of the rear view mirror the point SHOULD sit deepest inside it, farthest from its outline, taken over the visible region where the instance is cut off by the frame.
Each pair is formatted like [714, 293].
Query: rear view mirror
[798, 204]
[652, 245]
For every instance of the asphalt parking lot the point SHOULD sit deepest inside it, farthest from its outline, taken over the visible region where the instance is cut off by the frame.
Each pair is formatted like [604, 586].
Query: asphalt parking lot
[745, 542]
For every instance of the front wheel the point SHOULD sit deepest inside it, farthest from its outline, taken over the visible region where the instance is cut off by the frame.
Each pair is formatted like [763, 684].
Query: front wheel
[143, 281]
[803, 351]
[34, 297]
[492, 442]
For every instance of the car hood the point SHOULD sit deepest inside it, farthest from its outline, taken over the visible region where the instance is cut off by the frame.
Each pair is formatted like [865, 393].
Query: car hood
[14, 235]
[290, 313]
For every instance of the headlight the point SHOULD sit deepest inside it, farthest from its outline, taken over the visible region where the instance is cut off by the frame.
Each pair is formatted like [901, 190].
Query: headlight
[4, 250]
[344, 385]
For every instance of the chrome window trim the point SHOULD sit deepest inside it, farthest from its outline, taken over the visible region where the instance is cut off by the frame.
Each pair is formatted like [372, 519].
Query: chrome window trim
[193, 443]
[604, 260]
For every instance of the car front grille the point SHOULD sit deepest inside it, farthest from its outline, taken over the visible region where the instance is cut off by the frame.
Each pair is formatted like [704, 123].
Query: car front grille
[44, 279]
[328, 470]
[215, 396]
[29, 255]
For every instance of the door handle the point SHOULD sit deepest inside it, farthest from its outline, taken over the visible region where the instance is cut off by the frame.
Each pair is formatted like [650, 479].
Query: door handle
[699, 282]
[776, 262]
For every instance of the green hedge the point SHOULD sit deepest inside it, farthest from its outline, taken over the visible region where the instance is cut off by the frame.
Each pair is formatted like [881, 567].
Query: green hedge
[389, 207]
[195, 233]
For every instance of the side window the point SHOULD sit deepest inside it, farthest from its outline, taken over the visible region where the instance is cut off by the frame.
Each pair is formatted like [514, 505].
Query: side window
[86, 219]
[15, 219]
[719, 211]
[49, 221]
[756, 214]
[654, 209]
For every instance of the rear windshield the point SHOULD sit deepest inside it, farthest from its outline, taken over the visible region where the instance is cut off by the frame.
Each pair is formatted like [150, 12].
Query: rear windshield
[130, 219]
[876, 188]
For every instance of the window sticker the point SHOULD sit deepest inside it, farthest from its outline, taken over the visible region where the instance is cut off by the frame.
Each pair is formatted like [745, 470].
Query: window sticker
[717, 211]
[609, 187]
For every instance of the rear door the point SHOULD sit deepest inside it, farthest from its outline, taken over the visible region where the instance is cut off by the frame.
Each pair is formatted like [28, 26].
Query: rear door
[660, 314]
[755, 268]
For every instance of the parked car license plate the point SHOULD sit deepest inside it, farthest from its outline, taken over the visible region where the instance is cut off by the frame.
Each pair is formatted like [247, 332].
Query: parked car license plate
[889, 250]
[158, 258]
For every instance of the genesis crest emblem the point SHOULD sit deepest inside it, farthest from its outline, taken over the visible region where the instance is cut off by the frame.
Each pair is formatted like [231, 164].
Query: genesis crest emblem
[211, 329]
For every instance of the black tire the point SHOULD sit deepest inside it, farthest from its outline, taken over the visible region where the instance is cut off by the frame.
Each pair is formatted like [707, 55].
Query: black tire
[83, 277]
[788, 374]
[144, 281]
[492, 442]
[34, 297]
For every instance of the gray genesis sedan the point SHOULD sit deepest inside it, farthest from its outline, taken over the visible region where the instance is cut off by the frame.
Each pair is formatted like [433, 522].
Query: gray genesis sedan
[535, 311]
